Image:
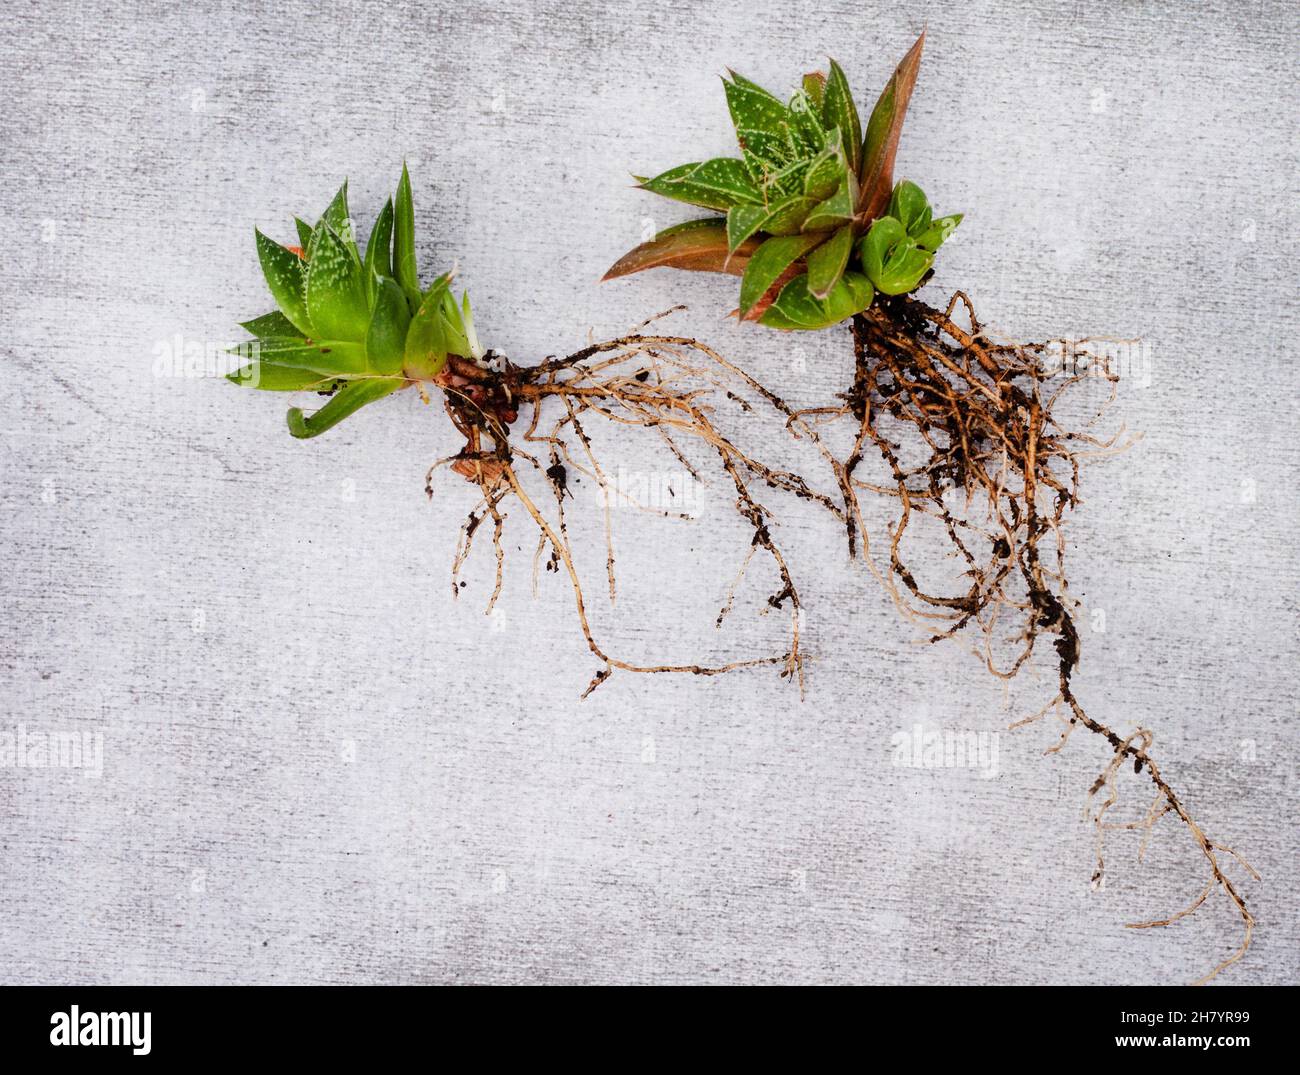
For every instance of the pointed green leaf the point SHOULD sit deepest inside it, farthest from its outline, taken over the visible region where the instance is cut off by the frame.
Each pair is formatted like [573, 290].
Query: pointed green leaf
[453, 328]
[714, 184]
[910, 207]
[272, 324]
[837, 209]
[764, 154]
[937, 233]
[762, 125]
[348, 400]
[851, 295]
[814, 85]
[787, 180]
[806, 122]
[337, 217]
[884, 233]
[742, 222]
[728, 177]
[880, 145]
[304, 233]
[386, 336]
[905, 269]
[404, 265]
[826, 170]
[769, 261]
[336, 295]
[285, 277]
[272, 378]
[838, 110]
[827, 263]
[425, 352]
[753, 108]
[796, 308]
[774, 318]
[697, 245]
[331, 357]
[379, 257]
[786, 217]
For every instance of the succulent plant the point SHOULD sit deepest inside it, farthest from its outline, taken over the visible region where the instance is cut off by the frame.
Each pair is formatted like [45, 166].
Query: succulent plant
[352, 326]
[813, 225]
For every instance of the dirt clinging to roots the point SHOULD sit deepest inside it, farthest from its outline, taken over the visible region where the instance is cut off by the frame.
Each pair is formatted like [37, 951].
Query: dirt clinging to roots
[660, 383]
[966, 429]
[998, 475]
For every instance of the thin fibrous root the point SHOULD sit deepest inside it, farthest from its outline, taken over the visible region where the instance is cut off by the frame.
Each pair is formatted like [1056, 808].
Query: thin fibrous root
[968, 434]
[657, 382]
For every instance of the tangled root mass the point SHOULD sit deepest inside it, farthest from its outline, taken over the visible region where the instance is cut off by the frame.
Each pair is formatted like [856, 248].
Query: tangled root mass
[966, 429]
[659, 383]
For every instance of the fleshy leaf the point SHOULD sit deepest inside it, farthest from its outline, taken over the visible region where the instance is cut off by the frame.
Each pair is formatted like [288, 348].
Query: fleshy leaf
[728, 177]
[851, 295]
[835, 210]
[386, 336]
[379, 255]
[786, 217]
[337, 217]
[304, 233]
[762, 125]
[826, 264]
[891, 258]
[336, 296]
[713, 184]
[742, 222]
[270, 325]
[272, 378]
[765, 154]
[753, 108]
[937, 233]
[910, 207]
[769, 261]
[806, 123]
[874, 247]
[796, 308]
[426, 340]
[285, 276]
[814, 85]
[826, 169]
[838, 110]
[788, 179]
[452, 327]
[348, 400]
[331, 357]
[404, 264]
[883, 129]
[697, 245]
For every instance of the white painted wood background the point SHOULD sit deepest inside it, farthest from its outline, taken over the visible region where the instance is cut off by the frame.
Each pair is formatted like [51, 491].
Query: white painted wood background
[317, 767]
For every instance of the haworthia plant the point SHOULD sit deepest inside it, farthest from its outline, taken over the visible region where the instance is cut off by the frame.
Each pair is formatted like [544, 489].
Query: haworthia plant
[813, 222]
[353, 327]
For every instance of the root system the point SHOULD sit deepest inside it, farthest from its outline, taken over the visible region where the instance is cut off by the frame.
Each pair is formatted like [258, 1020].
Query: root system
[968, 433]
[965, 434]
[665, 384]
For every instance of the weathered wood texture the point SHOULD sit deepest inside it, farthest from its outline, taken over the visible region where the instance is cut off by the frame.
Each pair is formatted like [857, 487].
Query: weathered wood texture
[319, 767]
